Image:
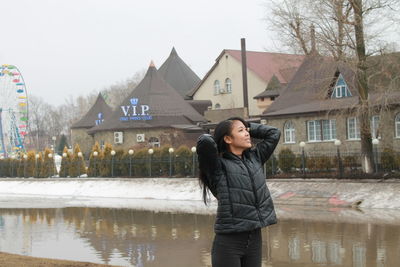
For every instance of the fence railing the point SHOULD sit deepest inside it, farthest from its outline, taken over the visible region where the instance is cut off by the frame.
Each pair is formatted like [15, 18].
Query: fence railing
[332, 165]
[307, 165]
[110, 167]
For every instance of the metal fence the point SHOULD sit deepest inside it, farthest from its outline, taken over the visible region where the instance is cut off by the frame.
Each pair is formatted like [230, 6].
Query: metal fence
[112, 167]
[332, 165]
[289, 165]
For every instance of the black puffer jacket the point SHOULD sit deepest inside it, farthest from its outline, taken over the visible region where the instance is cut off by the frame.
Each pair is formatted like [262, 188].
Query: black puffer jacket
[244, 201]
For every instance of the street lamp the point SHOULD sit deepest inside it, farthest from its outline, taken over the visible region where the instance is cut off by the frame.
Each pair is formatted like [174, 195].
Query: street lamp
[340, 165]
[25, 163]
[130, 152]
[64, 155]
[150, 151]
[170, 151]
[36, 165]
[54, 143]
[302, 144]
[193, 159]
[375, 143]
[12, 165]
[79, 163]
[50, 155]
[112, 162]
[95, 154]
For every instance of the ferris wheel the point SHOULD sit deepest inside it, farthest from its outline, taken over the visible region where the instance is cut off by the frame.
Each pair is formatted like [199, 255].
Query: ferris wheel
[13, 111]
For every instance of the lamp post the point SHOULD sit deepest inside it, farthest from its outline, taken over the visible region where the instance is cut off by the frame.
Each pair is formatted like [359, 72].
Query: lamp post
[130, 152]
[170, 151]
[25, 162]
[112, 162]
[50, 155]
[79, 163]
[95, 154]
[54, 144]
[12, 165]
[64, 155]
[375, 143]
[302, 144]
[340, 165]
[193, 159]
[36, 165]
[150, 151]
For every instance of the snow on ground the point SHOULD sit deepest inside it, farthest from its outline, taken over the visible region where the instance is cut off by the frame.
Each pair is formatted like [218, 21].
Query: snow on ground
[182, 194]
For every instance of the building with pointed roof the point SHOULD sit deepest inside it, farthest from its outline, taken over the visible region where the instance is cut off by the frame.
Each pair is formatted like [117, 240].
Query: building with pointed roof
[319, 106]
[178, 74]
[153, 114]
[96, 115]
[223, 82]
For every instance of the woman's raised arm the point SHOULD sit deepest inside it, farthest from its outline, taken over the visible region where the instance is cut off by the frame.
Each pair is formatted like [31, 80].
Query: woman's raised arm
[270, 138]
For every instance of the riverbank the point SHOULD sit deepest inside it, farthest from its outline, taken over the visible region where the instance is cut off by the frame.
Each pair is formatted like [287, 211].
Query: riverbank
[8, 260]
[184, 194]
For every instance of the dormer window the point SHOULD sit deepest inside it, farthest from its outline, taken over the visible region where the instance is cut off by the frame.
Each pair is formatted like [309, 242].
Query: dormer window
[341, 89]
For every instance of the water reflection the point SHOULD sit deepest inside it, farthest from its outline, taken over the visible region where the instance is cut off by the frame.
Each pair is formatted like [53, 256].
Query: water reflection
[143, 238]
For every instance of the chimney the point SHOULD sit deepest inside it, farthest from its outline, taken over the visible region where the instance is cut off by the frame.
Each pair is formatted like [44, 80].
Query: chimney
[244, 75]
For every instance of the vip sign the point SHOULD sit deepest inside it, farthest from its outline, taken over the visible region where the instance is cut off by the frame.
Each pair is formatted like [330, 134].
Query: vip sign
[135, 112]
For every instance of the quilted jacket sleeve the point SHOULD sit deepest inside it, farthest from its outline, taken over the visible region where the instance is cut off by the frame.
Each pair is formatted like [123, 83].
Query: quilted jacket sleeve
[270, 138]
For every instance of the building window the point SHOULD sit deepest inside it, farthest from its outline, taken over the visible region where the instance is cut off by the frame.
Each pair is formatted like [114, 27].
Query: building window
[353, 129]
[289, 132]
[321, 130]
[217, 87]
[154, 142]
[341, 89]
[228, 85]
[397, 125]
[375, 126]
[217, 106]
[272, 98]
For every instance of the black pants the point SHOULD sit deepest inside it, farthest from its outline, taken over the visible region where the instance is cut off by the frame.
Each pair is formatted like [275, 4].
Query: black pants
[237, 249]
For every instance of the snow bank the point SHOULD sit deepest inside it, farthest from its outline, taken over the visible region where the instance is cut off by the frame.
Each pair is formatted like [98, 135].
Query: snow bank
[140, 188]
[171, 194]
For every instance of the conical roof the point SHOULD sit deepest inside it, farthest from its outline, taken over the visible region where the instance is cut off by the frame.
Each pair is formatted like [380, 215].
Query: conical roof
[153, 103]
[178, 74]
[96, 114]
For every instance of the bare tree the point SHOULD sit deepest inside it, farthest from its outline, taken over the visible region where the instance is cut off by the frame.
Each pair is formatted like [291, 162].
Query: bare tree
[345, 30]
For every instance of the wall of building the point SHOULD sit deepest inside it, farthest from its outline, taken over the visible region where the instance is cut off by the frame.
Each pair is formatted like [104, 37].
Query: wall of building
[166, 136]
[387, 134]
[229, 67]
[80, 136]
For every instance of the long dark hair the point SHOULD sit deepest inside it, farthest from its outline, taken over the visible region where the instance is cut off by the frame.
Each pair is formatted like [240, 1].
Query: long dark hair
[224, 128]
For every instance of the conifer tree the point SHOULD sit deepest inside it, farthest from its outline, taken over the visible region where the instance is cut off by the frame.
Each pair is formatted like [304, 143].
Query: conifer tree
[39, 165]
[140, 163]
[183, 163]
[30, 164]
[94, 161]
[48, 166]
[105, 166]
[78, 166]
[21, 166]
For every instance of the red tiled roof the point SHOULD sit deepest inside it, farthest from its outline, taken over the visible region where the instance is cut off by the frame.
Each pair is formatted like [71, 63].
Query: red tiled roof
[266, 64]
[263, 64]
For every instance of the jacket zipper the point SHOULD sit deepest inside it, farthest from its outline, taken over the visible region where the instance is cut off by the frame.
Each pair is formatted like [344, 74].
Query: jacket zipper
[254, 192]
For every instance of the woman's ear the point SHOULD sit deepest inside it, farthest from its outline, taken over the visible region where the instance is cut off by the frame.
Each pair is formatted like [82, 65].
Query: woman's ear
[228, 139]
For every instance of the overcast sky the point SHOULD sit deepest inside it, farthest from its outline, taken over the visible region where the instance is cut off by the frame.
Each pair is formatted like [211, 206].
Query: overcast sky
[74, 47]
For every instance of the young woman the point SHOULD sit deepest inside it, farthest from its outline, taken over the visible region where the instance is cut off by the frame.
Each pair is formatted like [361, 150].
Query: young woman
[233, 172]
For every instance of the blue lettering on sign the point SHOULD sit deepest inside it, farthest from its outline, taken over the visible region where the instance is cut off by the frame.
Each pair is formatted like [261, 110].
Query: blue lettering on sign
[136, 118]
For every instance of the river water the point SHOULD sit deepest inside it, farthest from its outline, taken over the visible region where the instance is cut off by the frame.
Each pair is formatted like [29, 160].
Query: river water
[303, 237]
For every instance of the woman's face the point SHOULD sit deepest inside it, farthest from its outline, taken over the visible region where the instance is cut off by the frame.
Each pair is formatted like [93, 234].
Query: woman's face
[239, 139]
